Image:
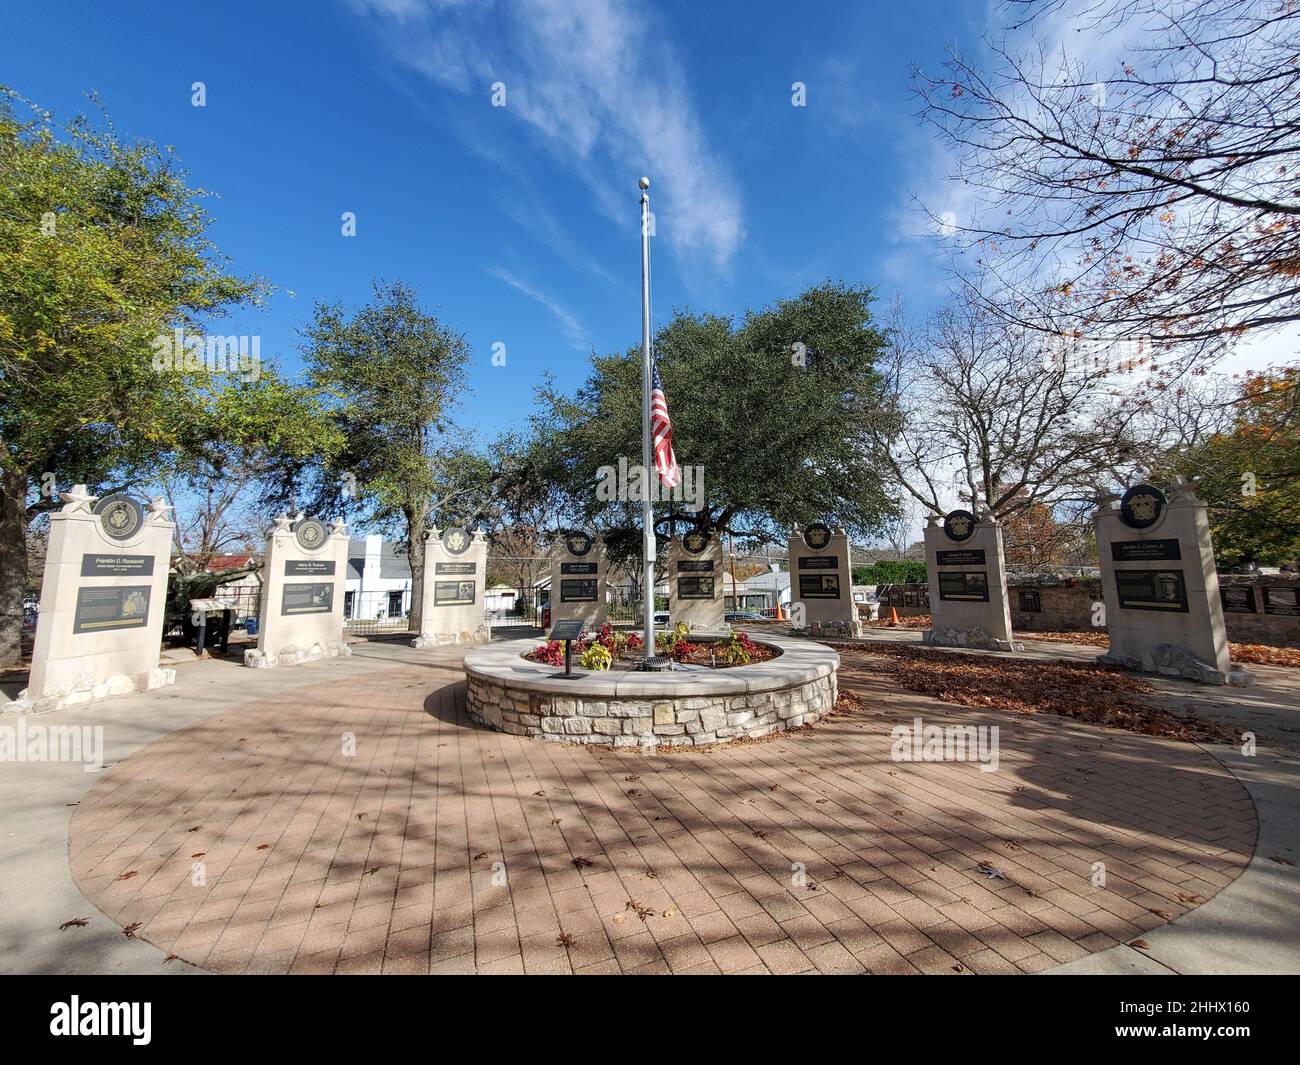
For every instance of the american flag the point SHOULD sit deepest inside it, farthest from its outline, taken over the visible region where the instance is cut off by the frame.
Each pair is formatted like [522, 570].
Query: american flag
[661, 433]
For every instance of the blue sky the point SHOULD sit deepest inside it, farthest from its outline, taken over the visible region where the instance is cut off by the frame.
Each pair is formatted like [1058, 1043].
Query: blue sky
[519, 224]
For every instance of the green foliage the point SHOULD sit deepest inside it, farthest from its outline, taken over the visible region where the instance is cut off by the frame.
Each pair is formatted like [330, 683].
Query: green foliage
[390, 374]
[1261, 452]
[905, 571]
[597, 657]
[781, 430]
[102, 249]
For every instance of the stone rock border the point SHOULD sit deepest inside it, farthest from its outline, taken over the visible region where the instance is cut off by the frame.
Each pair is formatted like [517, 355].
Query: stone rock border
[676, 709]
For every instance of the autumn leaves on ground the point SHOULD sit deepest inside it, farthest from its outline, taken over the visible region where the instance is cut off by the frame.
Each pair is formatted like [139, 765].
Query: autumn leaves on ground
[1099, 695]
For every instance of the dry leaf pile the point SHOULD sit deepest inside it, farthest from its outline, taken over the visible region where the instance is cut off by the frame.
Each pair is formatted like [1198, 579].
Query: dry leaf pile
[1099, 695]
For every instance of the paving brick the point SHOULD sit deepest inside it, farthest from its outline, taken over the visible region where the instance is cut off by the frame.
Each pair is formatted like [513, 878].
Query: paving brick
[385, 862]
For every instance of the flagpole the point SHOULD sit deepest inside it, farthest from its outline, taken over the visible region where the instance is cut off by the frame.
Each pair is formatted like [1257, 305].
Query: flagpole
[647, 461]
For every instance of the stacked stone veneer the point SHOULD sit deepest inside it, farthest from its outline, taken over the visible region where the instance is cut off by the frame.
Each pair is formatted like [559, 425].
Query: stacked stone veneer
[675, 709]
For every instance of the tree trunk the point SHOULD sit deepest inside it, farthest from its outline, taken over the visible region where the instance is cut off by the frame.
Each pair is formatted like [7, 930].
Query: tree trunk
[13, 565]
[415, 519]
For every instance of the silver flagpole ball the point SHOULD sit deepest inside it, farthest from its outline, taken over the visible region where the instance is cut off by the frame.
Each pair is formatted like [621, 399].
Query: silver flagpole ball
[644, 183]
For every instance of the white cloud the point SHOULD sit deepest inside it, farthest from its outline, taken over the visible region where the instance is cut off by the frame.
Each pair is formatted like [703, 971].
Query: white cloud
[573, 329]
[599, 85]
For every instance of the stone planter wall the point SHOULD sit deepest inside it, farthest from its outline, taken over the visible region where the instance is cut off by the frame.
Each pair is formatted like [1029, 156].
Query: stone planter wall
[637, 709]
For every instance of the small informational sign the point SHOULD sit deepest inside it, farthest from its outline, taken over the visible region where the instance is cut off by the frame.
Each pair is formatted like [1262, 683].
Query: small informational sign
[967, 586]
[1151, 589]
[1281, 601]
[819, 562]
[694, 587]
[103, 609]
[453, 593]
[819, 586]
[578, 591]
[117, 565]
[579, 567]
[308, 567]
[1237, 598]
[1145, 551]
[694, 565]
[455, 569]
[307, 598]
[566, 630]
[859, 597]
[973, 556]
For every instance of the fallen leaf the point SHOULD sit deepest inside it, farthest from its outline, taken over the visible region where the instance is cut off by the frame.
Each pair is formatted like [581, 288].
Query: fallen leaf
[127, 875]
[130, 930]
[76, 922]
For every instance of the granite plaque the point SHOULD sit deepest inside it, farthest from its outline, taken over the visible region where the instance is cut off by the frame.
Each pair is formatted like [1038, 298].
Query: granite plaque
[305, 598]
[117, 565]
[1151, 589]
[455, 569]
[578, 591]
[580, 567]
[819, 586]
[819, 562]
[1237, 598]
[973, 556]
[695, 587]
[308, 567]
[102, 609]
[969, 586]
[453, 593]
[1145, 551]
[1281, 601]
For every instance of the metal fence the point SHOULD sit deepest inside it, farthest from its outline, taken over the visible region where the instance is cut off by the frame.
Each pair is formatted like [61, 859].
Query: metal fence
[382, 611]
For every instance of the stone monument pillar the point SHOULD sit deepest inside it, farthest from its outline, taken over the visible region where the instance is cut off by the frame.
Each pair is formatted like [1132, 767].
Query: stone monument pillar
[968, 583]
[695, 582]
[578, 580]
[1163, 608]
[304, 572]
[455, 577]
[821, 581]
[103, 598]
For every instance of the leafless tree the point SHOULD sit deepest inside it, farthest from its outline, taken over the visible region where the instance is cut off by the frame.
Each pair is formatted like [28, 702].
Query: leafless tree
[1158, 197]
[1019, 422]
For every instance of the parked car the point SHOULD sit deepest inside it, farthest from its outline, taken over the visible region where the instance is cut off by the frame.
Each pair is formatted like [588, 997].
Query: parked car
[743, 615]
[661, 617]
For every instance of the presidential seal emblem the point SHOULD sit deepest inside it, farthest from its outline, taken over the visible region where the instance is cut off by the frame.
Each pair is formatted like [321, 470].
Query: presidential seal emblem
[695, 541]
[456, 541]
[578, 543]
[816, 535]
[310, 534]
[1142, 506]
[120, 516]
[959, 525]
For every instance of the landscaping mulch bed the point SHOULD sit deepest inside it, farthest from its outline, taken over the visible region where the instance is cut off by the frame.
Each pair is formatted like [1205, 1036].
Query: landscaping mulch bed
[1100, 695]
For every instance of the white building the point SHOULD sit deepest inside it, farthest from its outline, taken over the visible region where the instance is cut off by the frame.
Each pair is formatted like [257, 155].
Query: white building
[378, 587]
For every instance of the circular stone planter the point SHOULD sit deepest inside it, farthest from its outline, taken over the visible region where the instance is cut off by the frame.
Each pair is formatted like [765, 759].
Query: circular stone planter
[505, 691]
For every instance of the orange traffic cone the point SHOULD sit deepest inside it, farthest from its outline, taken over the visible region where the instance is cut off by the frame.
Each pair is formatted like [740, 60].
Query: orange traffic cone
[893, 615]
[780, 616]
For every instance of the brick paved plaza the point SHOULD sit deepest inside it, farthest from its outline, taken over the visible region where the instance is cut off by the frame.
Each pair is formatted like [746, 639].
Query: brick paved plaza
[443, 847]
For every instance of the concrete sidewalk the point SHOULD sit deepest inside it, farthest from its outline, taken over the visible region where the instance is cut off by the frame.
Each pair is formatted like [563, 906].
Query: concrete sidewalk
[37, 892]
